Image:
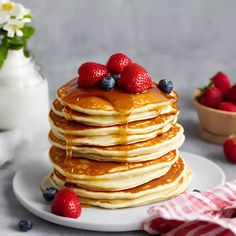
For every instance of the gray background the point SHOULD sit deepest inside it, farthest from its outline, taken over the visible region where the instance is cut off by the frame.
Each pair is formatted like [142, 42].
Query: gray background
[186, 41]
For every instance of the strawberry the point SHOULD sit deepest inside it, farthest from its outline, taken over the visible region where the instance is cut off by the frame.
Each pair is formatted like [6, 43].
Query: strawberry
[90, 74]
[135, 79]
[230, 148]
[212, 97]
[117, 63]
[231, 95]
[227, 106]
[66, 204]
[222, 82]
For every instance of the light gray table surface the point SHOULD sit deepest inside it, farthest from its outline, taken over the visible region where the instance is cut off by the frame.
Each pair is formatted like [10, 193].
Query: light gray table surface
[186, 41]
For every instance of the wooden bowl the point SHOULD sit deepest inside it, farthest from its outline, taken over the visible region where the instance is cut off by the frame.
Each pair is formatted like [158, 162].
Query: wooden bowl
[215, 125]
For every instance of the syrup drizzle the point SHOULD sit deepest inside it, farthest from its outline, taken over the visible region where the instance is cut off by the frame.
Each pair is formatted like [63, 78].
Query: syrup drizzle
[68, 138]
[92, 169]
[170, 176]
[121, 101]
[118, 99]
[68, 146]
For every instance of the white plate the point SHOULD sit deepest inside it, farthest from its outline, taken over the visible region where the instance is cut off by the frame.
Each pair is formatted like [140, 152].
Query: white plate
[26, 183]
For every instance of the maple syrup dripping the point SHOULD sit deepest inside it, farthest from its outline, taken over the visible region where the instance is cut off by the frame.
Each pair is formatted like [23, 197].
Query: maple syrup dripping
[119, 100]
[68, 146]
[68, 138]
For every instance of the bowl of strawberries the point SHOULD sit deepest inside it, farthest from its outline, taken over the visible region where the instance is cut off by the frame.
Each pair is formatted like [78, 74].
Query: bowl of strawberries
[216, 108]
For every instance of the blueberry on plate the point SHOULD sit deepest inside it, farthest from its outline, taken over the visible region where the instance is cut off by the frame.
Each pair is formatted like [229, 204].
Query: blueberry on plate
[49, 193]
[116, 76]
[165, 85]
[25, 225]
[108, 83]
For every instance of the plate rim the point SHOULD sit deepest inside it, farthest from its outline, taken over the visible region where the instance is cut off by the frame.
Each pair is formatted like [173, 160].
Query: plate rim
[207, 160]
[68, 222]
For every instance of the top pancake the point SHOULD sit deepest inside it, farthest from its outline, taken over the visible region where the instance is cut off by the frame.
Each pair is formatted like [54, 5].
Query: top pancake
[95, 101]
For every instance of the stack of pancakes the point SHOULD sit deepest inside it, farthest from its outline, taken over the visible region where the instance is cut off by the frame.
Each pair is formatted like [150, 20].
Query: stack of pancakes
[116, 149]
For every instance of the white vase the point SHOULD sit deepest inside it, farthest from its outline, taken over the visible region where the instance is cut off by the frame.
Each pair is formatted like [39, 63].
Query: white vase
[24, 99]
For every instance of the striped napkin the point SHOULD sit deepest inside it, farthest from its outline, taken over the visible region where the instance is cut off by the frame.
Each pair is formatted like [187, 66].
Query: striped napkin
[207, 213]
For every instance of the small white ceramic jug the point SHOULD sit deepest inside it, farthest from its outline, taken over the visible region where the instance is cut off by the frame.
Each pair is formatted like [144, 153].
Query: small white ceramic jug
[24, 99]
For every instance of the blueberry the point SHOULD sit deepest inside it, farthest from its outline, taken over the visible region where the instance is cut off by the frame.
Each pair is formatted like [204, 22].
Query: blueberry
[165, 85]
[108, 83]
[49, 193]
[25, 225]
[116, 76]
[196, 190]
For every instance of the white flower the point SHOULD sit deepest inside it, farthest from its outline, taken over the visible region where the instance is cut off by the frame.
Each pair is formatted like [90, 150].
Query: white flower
[9, 10]
[13, 27]
[5, 11]
[19, 11]
[7, 6]
[13, 17]
[4, 18]
[4, 1]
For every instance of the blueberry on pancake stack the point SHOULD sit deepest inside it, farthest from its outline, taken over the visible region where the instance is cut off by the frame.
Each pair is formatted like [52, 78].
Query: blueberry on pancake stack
[115, 137]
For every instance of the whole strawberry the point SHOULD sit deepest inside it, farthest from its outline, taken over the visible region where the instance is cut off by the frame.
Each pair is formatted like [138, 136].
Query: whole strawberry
[212, 97]
[231, 95]
[230, 148]
[222, 82]
[135, 79]
[90, 74]
[66, 204]
[117, 63]
[227, 106]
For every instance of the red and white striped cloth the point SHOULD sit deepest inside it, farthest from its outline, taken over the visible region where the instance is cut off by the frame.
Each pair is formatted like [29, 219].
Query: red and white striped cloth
[208, 213]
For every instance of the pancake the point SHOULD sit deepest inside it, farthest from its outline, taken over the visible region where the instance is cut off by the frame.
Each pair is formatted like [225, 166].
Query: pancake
[102, 120]
[181, 187]
[98, 102]
[109, 140]
[109, 176]
[119, 184]
[173, 183]
[142, 151]
[60, 124]
[114, 120]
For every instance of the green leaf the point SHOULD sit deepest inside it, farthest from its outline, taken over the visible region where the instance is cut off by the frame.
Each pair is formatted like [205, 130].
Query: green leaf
[14, 43]
[27, 16]
[15, 47]
[16, 40]
[28, 31]
[3, 54]
[3, 32]
[26, 52]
